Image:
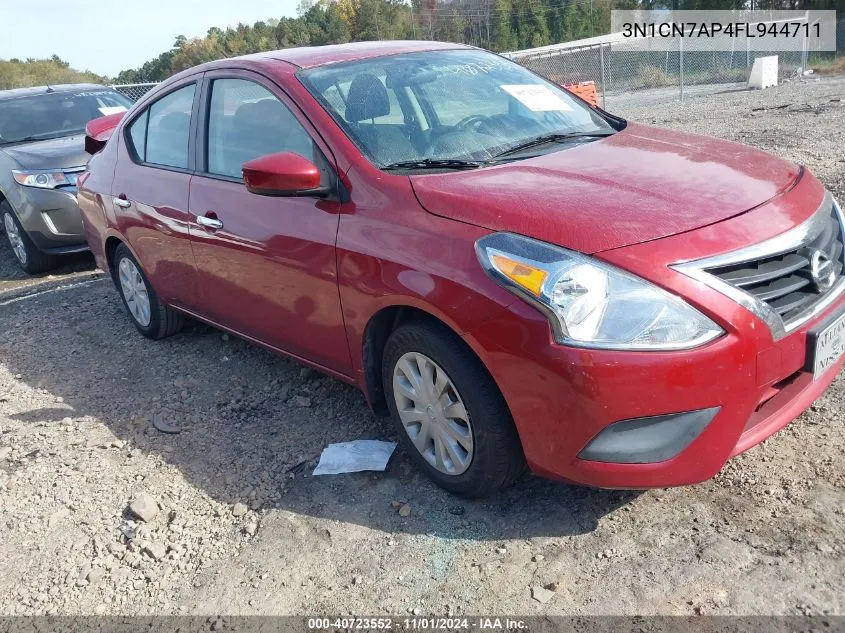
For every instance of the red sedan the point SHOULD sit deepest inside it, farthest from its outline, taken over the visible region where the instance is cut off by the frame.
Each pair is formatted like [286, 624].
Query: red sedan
[513, 275]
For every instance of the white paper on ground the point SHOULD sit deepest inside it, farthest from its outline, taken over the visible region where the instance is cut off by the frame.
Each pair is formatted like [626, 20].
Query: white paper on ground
[355, 456]
[111, 110]
[537, 97]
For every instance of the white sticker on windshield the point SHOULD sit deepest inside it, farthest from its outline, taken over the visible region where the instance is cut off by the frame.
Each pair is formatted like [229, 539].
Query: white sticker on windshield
[537, 98]
[111, 110]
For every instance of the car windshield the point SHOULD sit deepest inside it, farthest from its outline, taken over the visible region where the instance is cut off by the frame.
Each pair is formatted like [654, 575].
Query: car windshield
[55, 114]
[449, 109]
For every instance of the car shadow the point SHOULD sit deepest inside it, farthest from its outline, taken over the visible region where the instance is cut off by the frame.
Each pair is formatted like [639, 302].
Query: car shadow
[42, 414]
[251, 425]
[13, 277]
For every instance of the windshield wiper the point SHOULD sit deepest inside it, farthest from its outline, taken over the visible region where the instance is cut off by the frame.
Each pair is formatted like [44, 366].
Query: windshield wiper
[551, 138]
[39, 137]
[434, 163]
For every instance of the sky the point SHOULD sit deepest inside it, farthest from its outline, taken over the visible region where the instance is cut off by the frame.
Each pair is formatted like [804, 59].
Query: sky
[107, 36]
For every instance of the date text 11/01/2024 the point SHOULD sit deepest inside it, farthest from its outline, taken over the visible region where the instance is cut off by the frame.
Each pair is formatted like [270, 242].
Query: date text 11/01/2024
[416, 624]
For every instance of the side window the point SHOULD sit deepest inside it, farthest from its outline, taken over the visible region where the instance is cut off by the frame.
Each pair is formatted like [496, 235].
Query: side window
[245, 121]
[160, 135]
[138, 135]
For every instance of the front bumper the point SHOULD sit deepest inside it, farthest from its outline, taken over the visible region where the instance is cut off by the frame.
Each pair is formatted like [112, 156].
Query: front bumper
[50, 217]
[562, 397]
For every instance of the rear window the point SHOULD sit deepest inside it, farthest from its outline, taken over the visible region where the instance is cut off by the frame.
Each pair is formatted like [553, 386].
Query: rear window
[56, 114]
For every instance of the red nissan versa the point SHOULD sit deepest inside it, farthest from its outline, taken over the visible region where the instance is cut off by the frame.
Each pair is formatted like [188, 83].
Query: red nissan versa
[514, 275]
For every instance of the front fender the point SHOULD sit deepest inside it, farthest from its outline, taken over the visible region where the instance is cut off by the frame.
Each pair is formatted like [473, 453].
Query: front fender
[9, 189]
[441, 276]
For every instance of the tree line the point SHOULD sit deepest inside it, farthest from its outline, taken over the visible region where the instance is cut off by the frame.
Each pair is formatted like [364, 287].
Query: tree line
[499, 25]
[18, 73]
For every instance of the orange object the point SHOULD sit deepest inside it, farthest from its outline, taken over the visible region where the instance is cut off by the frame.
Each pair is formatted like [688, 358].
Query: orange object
[584, 89]
[528, 277]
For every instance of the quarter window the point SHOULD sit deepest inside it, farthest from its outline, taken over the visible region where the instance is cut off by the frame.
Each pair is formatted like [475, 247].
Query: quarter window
[246, 121]
[160, 135]
[138, 135]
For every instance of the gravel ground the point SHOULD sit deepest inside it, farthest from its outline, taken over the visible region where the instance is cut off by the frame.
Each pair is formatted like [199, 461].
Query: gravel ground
[14, 281]
[235, 523]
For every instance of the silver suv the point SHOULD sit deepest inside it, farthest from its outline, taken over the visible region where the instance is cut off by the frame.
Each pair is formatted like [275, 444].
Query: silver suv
[42, 152]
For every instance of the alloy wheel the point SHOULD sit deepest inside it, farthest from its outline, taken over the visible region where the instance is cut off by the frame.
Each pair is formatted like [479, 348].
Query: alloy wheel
[134, 291]
[15, 240]
[432, 413]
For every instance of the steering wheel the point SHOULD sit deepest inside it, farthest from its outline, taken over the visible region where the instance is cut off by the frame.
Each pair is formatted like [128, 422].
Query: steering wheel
[472, 119]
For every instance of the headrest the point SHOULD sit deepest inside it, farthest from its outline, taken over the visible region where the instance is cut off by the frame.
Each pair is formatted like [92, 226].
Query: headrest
[367, 98]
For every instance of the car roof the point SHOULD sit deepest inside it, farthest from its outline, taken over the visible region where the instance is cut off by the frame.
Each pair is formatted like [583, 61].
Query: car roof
[38, 90]
[289, 60]
[311, 56]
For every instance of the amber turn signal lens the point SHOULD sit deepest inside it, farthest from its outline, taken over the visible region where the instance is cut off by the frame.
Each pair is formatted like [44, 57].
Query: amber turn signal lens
[528, 277]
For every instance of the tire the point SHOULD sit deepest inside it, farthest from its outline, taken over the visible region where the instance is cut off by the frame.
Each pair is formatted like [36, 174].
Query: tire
[29, 258]
[157, 320]
[496, 458]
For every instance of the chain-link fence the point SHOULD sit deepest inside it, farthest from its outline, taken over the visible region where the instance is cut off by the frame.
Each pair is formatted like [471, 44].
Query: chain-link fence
[134, 91]
[625, 71]
[824, 59]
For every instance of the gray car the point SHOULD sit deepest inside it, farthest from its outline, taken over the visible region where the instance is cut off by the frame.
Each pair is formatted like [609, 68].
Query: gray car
[42, 152]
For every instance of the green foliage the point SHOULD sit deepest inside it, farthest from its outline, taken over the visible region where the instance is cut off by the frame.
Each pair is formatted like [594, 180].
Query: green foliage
[15, 73]
[655, 77]
[316, 24]
[499, 25]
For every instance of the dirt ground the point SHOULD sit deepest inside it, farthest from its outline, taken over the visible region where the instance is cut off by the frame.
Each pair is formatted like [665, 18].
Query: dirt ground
[239, 526]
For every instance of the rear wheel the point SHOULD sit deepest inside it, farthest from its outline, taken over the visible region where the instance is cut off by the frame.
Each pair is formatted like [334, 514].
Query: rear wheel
[29, 258]
[151, 317]
[450, 416]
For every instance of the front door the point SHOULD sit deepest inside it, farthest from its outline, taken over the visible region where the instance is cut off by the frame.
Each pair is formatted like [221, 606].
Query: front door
[267, 266]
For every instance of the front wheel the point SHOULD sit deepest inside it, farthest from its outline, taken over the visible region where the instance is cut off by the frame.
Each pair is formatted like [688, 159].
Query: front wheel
[30, 259]
[150, 316]
[450, 416]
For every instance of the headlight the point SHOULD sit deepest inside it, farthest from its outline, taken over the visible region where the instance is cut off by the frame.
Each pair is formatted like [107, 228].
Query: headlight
[43, 179]
[590, 303]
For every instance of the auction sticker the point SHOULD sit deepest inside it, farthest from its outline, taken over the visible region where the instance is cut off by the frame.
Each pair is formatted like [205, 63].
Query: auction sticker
[111, 110]
[537, 97]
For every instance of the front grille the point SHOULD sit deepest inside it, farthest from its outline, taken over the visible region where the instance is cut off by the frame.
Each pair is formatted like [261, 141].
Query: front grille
[785, 281]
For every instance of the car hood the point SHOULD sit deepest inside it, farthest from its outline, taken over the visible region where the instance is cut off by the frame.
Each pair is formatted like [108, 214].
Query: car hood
[640, 184]
[54, 153]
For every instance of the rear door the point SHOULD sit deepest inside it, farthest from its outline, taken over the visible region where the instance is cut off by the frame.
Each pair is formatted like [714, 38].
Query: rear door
[269, 270]
[151, 188]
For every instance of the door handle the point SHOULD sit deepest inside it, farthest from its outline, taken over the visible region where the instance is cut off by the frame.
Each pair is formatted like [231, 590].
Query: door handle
[121, 201]
[209, 222]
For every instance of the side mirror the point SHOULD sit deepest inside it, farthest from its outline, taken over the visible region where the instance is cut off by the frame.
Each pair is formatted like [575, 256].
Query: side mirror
[283, 174]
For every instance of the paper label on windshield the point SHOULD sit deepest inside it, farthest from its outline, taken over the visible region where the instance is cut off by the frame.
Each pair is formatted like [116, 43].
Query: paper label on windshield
[111, 110]
[537, 98]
